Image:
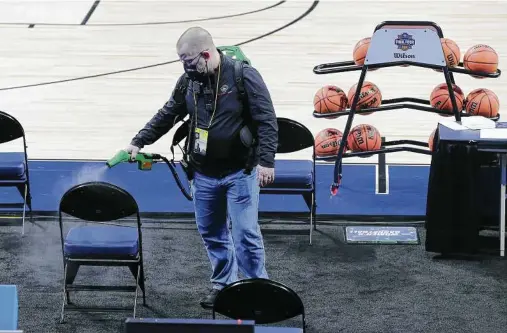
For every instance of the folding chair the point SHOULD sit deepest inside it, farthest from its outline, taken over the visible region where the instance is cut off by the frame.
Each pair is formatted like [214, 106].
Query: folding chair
[14, 165]
[262, 300]
[295, 177]
[101, 244]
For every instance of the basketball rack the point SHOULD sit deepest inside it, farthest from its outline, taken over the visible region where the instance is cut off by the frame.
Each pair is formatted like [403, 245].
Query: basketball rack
[415, 43]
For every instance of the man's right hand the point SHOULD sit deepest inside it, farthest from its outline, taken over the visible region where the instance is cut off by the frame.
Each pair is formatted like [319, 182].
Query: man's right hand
[132, 150]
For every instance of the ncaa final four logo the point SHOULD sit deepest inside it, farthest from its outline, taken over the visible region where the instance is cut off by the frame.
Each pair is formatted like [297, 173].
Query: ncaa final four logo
[404, 41]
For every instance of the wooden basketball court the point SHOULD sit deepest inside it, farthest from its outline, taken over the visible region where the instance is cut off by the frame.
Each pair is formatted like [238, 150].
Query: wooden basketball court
[84, 76]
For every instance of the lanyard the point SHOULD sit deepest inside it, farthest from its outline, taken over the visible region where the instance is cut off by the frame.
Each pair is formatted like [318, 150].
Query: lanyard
[214, 107]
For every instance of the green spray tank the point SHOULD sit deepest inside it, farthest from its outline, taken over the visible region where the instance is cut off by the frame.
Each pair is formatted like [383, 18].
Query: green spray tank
[145, 162]
[235, 52]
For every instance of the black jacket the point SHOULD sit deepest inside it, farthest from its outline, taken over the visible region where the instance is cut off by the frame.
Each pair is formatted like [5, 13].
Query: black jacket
[225, 153]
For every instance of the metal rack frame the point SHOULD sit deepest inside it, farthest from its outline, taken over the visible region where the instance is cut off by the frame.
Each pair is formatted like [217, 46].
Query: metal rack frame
[391, 104]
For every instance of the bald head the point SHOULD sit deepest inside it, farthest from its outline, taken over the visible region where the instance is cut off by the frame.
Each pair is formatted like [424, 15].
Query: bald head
[197, 43]
[193, 41]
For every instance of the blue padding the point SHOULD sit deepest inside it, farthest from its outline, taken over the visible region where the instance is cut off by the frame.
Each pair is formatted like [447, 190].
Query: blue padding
[293, 174]
[8, 307]
[12, 166]
[107, 241]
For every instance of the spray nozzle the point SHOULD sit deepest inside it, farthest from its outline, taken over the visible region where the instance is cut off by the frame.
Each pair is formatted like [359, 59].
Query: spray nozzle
[144, 160]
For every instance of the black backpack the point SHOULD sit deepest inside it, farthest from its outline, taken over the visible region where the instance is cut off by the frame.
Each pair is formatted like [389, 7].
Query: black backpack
[186, 128]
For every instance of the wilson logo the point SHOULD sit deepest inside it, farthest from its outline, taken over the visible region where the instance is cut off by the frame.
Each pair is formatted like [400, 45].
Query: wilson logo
[404, 56]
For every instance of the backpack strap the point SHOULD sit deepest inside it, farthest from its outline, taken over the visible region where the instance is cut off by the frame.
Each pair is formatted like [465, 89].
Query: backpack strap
[238, 77]
[181, 88]
[240, 85]
[179, 96]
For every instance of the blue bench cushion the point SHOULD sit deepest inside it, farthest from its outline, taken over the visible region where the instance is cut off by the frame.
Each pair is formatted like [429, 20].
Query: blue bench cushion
[97, 241]
[12, 166]
[293, 174]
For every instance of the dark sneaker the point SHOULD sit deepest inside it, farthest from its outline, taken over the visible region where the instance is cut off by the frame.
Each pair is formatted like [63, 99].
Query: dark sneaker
[207, 302]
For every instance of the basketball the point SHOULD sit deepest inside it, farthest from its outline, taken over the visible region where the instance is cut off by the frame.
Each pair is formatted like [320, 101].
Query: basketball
[364, 137]
[440, 98]
[329, 99]
[482, 102]
[431, 138]
[452, 52]
[369, 96]
[327, 142]
[481, 58]
[360, 50]
[472, 94]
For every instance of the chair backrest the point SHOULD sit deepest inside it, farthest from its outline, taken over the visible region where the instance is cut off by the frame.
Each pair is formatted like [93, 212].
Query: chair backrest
[98, 202]
[10, 128]
[293, 136]
[262, 300]
[8, 307]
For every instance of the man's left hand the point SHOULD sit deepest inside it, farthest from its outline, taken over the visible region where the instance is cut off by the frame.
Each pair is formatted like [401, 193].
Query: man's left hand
[265, 175]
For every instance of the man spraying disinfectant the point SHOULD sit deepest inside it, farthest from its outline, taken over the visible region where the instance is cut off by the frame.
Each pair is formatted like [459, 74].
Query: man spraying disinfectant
[230, 153]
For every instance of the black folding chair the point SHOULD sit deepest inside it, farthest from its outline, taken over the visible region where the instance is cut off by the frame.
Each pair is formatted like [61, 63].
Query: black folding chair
[100, 244]
[295, 177]
[262, 300]
[14, 165]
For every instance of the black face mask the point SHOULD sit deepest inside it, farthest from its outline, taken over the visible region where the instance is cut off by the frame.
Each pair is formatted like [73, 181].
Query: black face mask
[194, 74]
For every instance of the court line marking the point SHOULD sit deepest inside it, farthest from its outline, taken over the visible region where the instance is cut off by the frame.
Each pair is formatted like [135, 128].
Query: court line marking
[297, 19]
[90, 12]
[149, 23]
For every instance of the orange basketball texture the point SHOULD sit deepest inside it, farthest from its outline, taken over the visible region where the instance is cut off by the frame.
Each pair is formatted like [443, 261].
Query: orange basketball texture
[440, 98]
[369, 96]
[472, 94]
[327, 142]
[360, 50]
[481, 58]
[482, 102]
[329, 99]
[364, 137]
[452, 52]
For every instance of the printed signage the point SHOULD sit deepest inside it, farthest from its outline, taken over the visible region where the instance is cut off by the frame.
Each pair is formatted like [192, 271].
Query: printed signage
[421, 45]
[381, 235]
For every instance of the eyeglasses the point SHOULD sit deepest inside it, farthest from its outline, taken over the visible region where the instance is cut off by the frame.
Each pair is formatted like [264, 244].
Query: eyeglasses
[191, 61]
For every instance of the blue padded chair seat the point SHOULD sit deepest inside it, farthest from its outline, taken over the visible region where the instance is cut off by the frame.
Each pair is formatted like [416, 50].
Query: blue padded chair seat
[293, 174]
[12, 166]
[101, 241]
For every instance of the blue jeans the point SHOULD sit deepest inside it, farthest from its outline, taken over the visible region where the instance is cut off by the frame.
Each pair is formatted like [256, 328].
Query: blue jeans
[236, 195]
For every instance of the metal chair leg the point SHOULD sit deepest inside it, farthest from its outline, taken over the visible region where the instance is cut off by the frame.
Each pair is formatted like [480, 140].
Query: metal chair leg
[137, 288]
[65, 292]
[314, 210]
[144, 284]
[311, 219]
[24, 210]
